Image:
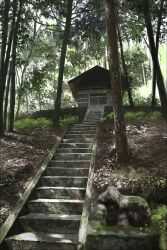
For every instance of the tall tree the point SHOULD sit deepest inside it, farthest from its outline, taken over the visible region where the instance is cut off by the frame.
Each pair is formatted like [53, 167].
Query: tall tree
[7, 97]
[157, 48]
[63, 58]
[154, 55]
[125, 71]
[5, 20]
[113, 55]
[26, 64]
[13, 69]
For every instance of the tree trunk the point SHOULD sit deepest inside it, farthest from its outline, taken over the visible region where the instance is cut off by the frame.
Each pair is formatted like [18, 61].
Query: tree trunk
[13, 71]
[154, 55]
[27, 102]
[6, 98]
[62, 59]
[18, 104]
[144, 75]
[157, 48]
[20, 92]
[125, 69]
[5, 20]
[113, 54]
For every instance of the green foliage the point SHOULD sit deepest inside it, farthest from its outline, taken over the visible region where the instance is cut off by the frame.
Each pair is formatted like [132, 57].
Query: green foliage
[138, 66]
[153, 116]
[68, 120]
[29, 124]
[159, 219]
[141, 100]
[110, 116]
[50, 114]
[131, 116]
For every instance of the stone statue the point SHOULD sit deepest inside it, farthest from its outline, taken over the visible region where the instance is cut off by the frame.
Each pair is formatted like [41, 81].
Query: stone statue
[123, 210]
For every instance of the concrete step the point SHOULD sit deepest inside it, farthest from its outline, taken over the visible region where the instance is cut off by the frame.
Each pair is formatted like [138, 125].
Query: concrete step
[60, 193]
[93, 123]
[72, 156]
[76, 145]
[50, 223]
[63, 181]
[74, 150]
[79, 140]
[57, 206]
[81, 135]
[38, 241]
[82, 131]
[70, 163]
[93, 117]
[60, 171]
[93, 120]
[83, 125]
[90, 123]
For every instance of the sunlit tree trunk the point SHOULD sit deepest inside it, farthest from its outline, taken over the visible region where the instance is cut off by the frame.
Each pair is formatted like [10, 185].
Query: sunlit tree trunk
[144, 75]
[113, 56]
[129, 90]
[154, 55]
[157, 48]
[5, 20]
[7, 98]
[20, 90]
[62, 59]
[13, 71]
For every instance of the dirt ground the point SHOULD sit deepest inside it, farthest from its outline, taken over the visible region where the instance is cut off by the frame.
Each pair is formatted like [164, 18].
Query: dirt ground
[146, 174]
[19, 160]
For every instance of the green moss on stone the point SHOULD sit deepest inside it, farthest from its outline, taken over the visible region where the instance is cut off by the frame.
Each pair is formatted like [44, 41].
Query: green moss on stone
[128, 201]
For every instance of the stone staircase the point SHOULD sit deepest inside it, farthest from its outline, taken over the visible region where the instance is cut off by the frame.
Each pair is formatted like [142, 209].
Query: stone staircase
[55, 213]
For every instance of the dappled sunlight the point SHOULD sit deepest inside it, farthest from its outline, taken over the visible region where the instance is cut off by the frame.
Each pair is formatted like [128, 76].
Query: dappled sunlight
[146, 171]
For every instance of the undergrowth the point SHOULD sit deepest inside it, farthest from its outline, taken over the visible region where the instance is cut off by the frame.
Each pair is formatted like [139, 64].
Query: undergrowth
[68, 120]
[29, 124]
[132, 116]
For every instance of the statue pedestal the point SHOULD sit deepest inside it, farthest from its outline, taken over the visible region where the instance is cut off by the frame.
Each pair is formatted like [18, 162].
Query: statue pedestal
[114, 238]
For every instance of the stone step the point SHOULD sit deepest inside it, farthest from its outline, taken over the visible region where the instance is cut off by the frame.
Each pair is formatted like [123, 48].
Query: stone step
[38, 241]
[82, 131]
[90, 123]
[72, 156]
[73, 136]
[63, 181]
[60, 193]
[76, 145]
[78, 140]
[93, 118]
[74, 150]
[70, 163]
[84, 126]
[50, 223]
[57, 206]
[60, 171]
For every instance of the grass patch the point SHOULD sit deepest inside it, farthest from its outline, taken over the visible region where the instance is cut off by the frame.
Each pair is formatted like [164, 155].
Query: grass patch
[132, 116]
[50, 114]
[135, 116]
[68, 120]
[28, 124]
